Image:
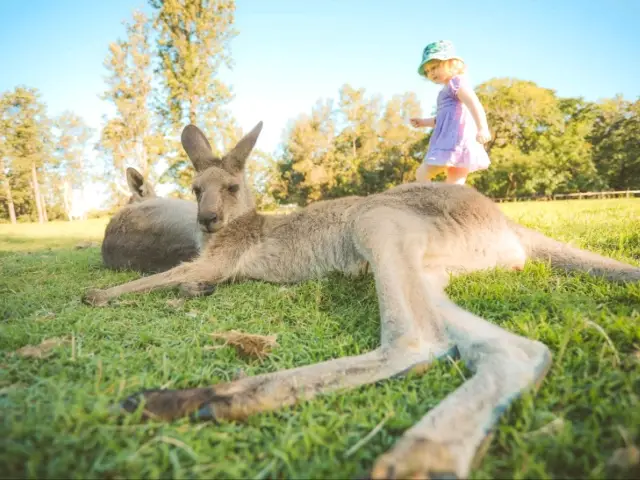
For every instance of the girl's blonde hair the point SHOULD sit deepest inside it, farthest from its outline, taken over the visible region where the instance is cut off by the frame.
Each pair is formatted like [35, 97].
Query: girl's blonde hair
[453, 66]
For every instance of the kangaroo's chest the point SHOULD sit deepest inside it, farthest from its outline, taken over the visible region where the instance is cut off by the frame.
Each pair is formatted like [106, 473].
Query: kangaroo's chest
[293, 255]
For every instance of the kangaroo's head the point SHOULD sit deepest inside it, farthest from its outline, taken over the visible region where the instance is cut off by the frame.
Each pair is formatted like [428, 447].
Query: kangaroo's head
[141, 190]
[220, 186]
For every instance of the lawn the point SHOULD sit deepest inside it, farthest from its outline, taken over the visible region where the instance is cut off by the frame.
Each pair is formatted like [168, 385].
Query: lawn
[56, 418]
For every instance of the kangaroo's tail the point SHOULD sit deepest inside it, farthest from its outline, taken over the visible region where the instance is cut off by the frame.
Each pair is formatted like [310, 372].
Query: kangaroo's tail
[561, 255]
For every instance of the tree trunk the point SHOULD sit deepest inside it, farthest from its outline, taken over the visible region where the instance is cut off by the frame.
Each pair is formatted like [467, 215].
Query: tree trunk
[12, 208]
[193, 108]
[44, 208]
[143, 157]
[513, 185]
[66, 198]
[36, 192]
[7, 191]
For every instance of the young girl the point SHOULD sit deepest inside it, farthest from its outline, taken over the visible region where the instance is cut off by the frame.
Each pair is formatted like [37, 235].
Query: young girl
[457, 142]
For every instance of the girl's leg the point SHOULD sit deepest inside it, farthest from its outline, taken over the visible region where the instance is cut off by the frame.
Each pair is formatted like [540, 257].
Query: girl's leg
[457, 175]
[426, 173]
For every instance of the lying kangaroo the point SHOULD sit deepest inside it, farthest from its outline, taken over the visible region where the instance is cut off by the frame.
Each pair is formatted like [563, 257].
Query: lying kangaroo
[151, 234]
[411, 237]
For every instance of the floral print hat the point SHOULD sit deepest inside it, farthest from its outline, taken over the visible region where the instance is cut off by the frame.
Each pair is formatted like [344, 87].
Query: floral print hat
[440, 50]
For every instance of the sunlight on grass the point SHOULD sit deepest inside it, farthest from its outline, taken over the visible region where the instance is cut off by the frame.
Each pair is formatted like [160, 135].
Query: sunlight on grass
[58, 234]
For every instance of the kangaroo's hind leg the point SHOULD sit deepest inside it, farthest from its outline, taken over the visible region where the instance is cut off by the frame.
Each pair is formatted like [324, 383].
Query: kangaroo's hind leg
[447, 441]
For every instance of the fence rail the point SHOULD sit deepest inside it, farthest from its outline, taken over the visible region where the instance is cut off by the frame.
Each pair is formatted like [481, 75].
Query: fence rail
[568, 196]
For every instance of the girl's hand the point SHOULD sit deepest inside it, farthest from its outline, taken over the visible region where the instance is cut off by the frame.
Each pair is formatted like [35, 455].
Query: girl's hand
[483, 136]
[423, 122]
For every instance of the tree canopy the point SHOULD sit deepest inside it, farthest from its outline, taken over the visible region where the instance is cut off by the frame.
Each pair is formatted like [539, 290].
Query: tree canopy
[166, 73]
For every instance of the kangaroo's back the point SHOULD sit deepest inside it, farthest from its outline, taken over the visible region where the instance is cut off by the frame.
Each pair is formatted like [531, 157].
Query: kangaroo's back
[152, 236]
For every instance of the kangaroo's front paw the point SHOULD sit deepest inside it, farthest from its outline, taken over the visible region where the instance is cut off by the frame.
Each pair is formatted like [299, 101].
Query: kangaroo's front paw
[95, 297]
[169, 405]
[197, 289]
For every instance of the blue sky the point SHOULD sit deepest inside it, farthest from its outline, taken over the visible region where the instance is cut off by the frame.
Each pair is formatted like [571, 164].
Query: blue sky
[290, 53]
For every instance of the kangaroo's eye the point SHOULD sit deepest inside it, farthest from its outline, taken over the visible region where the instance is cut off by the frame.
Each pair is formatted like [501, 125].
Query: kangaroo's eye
[197, 191]
[233, 188]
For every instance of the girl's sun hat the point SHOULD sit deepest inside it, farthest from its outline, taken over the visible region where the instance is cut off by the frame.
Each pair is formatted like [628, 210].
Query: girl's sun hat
[440, 50]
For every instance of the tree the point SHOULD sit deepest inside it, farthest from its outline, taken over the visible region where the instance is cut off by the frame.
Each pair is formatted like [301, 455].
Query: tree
[307, 157]
[4, 172]
[539, 144]
[361, 148]
[261, 172]
[131, 137]
[401, 147]
[7, 189]
[568, 154]
[68, 171]
[519, 112]
[193, 45]
[26, 144]
[357, 141]
[616, 143]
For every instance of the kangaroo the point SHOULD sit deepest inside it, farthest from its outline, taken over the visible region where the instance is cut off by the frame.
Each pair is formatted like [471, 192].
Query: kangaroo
[412, 238]
[151, 234]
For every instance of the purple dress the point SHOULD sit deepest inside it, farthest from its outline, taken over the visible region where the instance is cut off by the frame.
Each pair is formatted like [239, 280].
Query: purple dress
[453, 141]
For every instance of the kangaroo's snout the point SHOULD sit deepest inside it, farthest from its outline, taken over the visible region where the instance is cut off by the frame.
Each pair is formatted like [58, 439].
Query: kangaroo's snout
[208, 221]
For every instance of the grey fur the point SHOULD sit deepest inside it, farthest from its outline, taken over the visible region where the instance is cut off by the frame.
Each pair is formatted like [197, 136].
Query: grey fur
[151, 234]
[412, 238]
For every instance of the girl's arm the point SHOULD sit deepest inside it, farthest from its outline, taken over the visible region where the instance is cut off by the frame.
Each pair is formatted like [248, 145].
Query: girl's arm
[423, 122]
[469, 98]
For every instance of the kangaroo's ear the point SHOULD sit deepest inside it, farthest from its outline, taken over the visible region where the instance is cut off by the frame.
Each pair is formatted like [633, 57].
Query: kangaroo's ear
[198, 148]
[140, 189]
[233, 161]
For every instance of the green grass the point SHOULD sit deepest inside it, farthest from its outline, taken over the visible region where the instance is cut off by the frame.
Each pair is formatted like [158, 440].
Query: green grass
[33, 236]
[55, 411]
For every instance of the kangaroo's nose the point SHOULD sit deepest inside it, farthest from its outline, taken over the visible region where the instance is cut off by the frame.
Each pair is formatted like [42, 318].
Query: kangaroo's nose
[207, 219]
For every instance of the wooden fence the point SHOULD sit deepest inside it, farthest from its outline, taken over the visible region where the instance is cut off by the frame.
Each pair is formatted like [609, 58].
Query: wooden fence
[570, 196]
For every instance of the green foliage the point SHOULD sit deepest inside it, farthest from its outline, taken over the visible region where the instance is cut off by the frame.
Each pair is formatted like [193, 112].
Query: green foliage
[616, 140]
[193, 45]
[41, 159]
[67, 169]
[362, 147]
[71, 139]
[132, 136]
[25, 146]
[542, 144]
